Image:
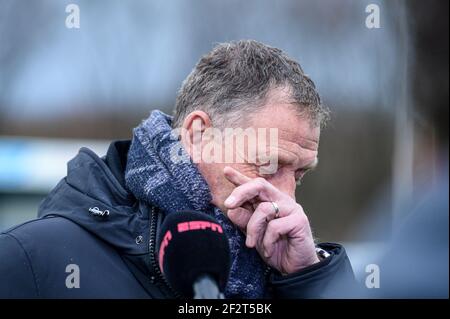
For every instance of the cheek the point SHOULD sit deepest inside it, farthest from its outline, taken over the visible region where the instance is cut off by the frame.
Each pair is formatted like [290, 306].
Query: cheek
[284, 180]
[213, 174]
[247, 169]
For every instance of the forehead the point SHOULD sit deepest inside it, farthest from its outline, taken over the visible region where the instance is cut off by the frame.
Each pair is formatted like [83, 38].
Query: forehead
[293, 130]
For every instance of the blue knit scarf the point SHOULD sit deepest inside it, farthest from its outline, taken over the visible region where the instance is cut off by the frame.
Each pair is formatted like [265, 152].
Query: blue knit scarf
[154, 177]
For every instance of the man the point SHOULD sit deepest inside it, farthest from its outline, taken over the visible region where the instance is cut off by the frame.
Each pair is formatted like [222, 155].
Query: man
[96, 232]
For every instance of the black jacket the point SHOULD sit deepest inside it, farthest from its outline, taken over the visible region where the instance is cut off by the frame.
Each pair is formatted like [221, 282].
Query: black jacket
[115, 253]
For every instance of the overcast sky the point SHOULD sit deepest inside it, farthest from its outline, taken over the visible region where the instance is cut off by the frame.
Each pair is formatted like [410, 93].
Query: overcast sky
[137, 53]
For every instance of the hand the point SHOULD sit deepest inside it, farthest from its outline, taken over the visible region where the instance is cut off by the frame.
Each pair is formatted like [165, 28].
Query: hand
[286, 242]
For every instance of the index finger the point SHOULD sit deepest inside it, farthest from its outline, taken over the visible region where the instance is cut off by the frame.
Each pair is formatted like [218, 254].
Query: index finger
[235, 177]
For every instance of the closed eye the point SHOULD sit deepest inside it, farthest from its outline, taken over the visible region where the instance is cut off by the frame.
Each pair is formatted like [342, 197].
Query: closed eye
[267, 175]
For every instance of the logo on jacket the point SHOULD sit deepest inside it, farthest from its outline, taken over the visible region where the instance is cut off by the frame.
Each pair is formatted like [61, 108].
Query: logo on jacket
[97, 212]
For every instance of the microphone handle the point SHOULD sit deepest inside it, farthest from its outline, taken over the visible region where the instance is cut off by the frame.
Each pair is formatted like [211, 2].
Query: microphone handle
[205, 287]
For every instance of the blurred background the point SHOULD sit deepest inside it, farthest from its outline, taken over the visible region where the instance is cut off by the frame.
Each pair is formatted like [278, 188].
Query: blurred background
[63, 88]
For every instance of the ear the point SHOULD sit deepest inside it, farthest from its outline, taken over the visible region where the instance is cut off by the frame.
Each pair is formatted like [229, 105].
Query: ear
[194, 125]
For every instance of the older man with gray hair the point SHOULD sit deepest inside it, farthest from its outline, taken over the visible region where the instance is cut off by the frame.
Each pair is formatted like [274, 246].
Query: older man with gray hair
[237, 89]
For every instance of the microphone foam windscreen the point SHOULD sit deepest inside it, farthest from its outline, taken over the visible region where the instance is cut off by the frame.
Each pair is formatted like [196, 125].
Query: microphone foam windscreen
[193, 244]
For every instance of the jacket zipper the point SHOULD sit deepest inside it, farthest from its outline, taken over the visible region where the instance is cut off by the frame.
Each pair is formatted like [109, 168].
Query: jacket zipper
[154, 262]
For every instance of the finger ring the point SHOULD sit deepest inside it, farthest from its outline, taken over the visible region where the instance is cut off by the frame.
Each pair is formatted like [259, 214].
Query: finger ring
[277, 210]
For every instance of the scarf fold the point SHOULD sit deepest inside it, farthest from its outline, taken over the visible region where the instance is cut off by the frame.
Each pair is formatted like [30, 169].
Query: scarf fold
[156, 175]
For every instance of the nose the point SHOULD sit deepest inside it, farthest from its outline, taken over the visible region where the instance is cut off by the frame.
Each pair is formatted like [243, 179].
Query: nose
[284, 180]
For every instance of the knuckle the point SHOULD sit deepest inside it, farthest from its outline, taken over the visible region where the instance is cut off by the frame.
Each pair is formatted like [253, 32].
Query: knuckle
[235, 217]
[260, 182]
[299, 207]
[272, 228]
[303, 219]
[266, 208]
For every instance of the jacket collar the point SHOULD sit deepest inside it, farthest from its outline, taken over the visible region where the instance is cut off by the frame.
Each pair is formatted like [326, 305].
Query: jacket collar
[95, 184]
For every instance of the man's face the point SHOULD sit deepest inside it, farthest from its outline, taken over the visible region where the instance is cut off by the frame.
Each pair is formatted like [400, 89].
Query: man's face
[295, 152]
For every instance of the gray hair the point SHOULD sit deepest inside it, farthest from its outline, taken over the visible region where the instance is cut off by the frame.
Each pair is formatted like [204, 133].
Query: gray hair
[234, 80]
